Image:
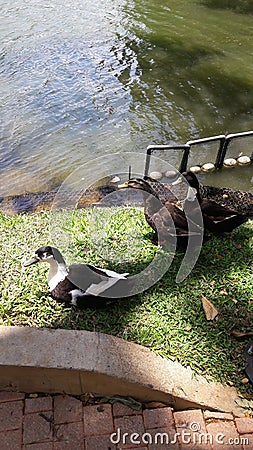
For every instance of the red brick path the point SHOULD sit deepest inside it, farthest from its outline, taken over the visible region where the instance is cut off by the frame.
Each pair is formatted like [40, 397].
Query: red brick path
[61, 422]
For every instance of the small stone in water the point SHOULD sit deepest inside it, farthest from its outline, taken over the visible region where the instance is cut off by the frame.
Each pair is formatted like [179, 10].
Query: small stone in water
[195, 169]
[244, 160]
[208, 167]
[156, 175]
[170, 173]
[230, 162]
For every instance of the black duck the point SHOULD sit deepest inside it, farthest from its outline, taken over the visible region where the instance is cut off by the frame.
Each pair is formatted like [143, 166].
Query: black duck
[232, 199]
[162, 211]
[223, 209]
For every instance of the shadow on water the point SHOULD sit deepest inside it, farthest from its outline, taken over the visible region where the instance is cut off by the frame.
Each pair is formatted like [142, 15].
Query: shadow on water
[187, 81]
[239, 6]
[193, 79]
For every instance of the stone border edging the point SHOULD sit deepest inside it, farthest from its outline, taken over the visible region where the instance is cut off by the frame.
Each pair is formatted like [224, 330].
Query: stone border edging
[75, 362]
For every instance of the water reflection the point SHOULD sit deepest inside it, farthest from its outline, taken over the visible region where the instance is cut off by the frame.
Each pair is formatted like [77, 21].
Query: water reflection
[195, 69]
[66, 97]
[80, 80]
[240, 6]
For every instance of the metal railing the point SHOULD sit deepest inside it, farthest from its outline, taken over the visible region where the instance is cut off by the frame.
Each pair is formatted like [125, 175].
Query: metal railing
[224, 142]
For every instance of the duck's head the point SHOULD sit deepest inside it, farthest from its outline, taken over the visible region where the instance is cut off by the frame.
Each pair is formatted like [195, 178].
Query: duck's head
[193, 190]
[192, 179]
[137, 183]
[44, 254]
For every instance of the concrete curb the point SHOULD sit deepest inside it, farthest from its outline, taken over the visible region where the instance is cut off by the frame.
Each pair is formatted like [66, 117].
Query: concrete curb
[75, 362]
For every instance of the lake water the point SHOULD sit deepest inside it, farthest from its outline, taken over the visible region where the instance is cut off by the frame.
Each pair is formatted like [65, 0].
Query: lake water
[79, 79]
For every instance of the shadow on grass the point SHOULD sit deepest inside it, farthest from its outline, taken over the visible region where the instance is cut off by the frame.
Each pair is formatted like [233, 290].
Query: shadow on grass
[169, 319]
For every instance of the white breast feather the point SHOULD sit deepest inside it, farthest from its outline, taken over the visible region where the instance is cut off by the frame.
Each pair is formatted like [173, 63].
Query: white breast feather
[57, 273]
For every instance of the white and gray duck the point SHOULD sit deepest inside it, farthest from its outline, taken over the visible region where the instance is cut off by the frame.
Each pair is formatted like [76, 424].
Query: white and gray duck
[80, 284]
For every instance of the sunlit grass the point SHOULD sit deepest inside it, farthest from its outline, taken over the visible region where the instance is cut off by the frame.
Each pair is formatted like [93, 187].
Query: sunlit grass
[168, 318]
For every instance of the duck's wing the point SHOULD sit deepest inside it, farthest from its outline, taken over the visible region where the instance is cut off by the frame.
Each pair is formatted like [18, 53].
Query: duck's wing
[239, 201]
[226, 225]
[216, 211]
[178, 216]
[92, 280]
[171, 220]
[107, 272]
[219, 219]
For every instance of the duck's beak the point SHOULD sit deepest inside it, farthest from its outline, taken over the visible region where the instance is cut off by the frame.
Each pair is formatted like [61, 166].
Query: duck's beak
[122, 186]
[35, 259]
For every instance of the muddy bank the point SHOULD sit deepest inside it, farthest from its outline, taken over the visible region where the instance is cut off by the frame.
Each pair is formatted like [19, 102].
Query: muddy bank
[45, 201]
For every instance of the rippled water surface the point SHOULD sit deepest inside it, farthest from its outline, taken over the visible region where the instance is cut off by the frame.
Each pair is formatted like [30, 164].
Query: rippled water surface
[81, 78]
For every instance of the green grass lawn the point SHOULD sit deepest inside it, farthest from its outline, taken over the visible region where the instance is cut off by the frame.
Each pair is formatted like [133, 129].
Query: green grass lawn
[168, 317]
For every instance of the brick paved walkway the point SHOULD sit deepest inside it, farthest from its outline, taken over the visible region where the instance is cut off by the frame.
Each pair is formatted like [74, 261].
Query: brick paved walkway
[61, 422]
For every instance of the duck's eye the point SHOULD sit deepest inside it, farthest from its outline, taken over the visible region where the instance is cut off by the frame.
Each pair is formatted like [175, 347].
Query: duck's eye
[46, 255]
